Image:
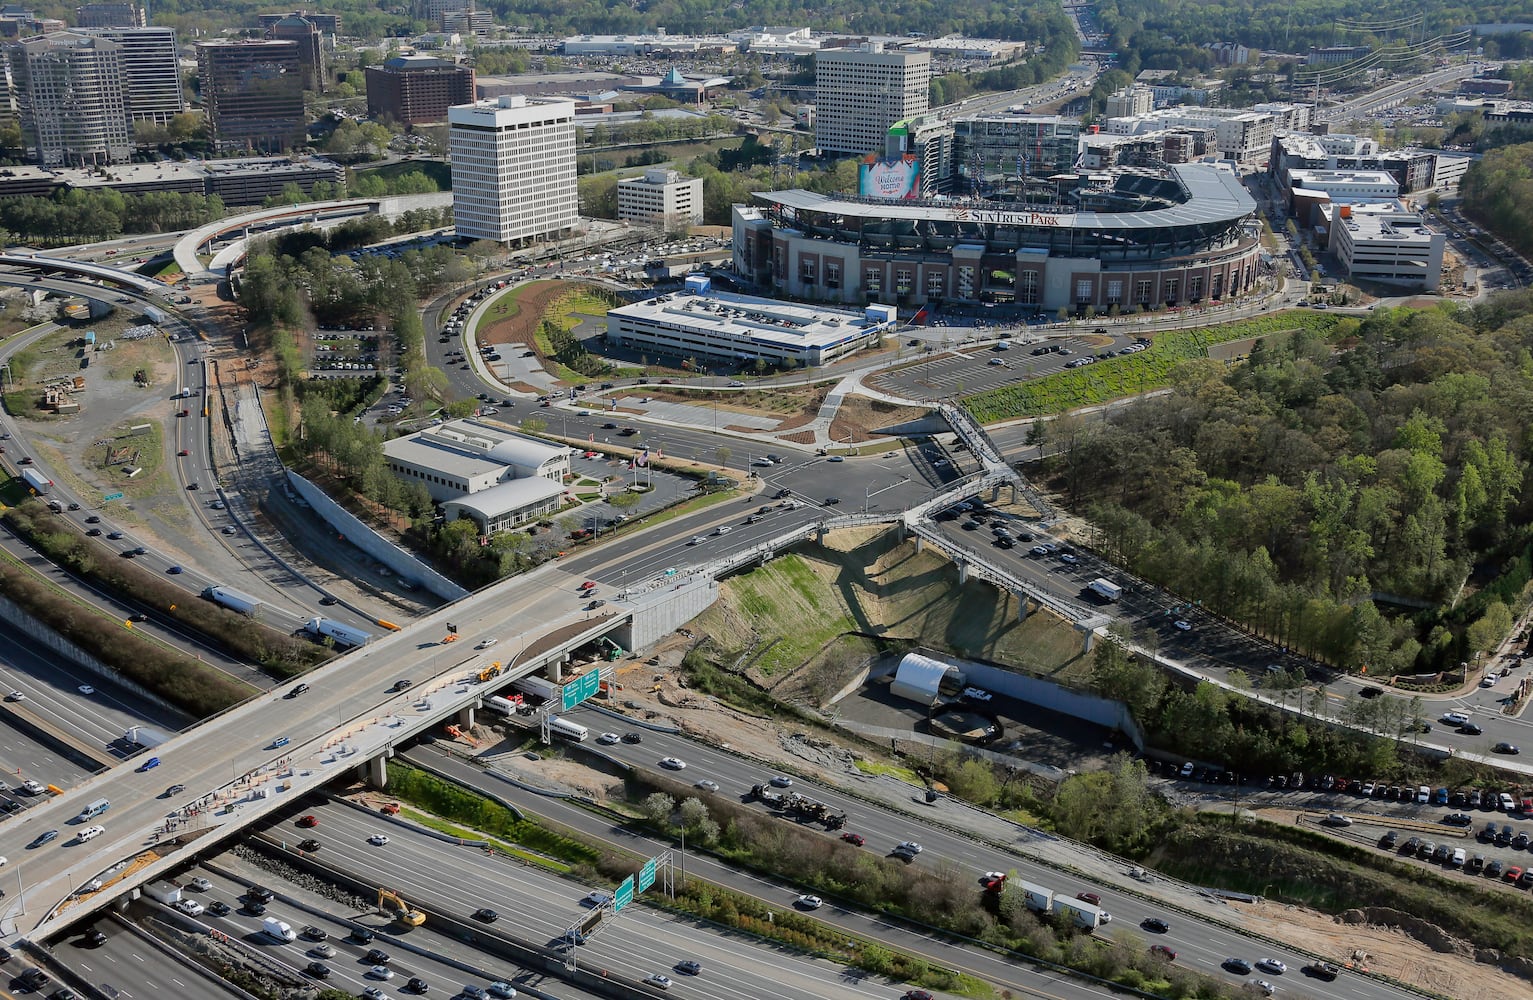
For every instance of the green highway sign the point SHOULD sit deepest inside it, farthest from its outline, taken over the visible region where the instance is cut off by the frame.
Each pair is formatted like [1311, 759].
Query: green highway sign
[579, 689]
[647, 875]
[623, 896]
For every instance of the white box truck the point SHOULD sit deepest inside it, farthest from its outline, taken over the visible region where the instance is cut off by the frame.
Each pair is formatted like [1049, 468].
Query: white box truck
[1082, 915]
[233, 599]
[538, 687]
[1038, 898]
[279, 930]
[165, 891]
[1105, 589]
[144, 736]
[41, 484]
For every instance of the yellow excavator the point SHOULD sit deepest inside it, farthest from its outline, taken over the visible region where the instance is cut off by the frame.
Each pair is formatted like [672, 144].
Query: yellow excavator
[402, 911]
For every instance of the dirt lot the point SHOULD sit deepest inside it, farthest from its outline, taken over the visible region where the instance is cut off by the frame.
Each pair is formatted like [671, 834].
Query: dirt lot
[859, 418]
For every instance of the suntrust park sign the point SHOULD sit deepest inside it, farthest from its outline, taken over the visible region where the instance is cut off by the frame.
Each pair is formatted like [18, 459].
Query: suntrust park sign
[996, 218]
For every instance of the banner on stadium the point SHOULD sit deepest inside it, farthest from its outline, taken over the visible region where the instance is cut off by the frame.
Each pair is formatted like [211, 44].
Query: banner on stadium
[894, 180]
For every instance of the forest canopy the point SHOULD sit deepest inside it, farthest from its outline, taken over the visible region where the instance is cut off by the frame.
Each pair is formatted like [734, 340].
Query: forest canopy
[1324, 491]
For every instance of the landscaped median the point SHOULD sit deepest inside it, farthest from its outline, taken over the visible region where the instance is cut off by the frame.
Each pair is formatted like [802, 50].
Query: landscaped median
[1118, 377]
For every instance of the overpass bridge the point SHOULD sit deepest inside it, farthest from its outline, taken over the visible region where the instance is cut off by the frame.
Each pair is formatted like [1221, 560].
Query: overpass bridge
[86, 269]
[264, 754]
[317, 212]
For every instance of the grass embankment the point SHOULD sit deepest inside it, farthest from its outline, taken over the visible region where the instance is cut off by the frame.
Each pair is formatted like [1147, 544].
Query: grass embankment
[1116, 378]
[197, 687]
[866, 582]
[1291, 865]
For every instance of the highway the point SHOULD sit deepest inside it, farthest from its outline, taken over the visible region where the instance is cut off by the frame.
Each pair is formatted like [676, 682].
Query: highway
[538, 907]
[1201, 944]
[125, 964]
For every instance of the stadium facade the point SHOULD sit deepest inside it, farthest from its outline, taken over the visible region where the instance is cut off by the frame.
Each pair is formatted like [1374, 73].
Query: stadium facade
[1130, 239]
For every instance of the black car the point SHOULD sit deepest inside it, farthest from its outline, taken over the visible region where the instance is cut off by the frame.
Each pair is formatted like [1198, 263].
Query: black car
[418, 985]
[632, 738]
[783, 494]
[1507, 748]
[1155, 925]
[254, 907]
[218, 908]
[1237, 965]
[95, 937]
[690, 967]
[486, 915]
[319, 970]
[259, 893]
[402, 685]
[311, 845]
[34, 979]
[377, 956]
[312, 933]
[361, 935]
[1388, 841]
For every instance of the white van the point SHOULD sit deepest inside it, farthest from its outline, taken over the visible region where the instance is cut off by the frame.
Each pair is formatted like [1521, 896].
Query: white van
[1423, 795]
[91, 833]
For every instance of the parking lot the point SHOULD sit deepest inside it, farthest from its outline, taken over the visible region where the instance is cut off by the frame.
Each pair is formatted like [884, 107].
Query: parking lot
[1004, 363]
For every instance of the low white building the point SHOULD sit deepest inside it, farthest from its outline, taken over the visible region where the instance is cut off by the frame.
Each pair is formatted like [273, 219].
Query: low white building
[1387, 245]
[662, 198]
[701, 323]
[464, 459]
[1347, 185]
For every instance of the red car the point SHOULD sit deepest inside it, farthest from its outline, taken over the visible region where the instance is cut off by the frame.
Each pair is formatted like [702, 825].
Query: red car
[183, 453]
[1512, 874]
[1089, 897]
[308, 822]
[183, 413]
[588, 585]
[1161, 951]
[855, 839]
[994, 884]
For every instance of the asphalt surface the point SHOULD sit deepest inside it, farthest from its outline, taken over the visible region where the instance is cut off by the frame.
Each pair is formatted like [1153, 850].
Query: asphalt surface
[1200, 944]
[123, 963]
[537, 907]
[953, 375]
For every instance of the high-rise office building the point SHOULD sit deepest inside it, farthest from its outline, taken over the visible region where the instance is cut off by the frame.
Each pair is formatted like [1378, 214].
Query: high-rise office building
[69, 92]
[859, 92]
[253, 92]
[329, 24]
[513, 168]
[415, 90]
[151, 71]
[311, 47]
[110, 15]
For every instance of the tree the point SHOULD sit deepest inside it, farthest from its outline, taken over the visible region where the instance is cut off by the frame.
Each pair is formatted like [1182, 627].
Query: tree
[722, 453]
[657, 808]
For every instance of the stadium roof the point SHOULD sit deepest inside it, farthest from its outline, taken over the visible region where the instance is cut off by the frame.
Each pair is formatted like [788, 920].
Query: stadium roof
[1212, 195]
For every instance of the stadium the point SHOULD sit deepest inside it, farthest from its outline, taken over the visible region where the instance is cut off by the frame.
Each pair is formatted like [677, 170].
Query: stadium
[1129, 240]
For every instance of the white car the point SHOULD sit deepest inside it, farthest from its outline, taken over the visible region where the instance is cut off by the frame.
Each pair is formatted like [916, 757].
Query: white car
[977, 694]
[86, 689]
[809, 902]
[378, 839]
[31, 787]
[190, 907]
[200, 884]
[500, 989]
[382, 972]
[672, 763]
[1272, 965]
[781, 781]
[1183, 626]
[608, 738]
[698, 539]
[1455, 718]
[486, 643]
[994, 875]
[658, 981]
[1266, 988]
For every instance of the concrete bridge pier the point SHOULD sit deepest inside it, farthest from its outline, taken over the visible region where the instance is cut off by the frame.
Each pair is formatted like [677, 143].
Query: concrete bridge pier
[1021, 607]
[963, 573]
[920, 541]
[556, 668]
[899, 527]
[377, 769]
[466, 717]
[1088, 639]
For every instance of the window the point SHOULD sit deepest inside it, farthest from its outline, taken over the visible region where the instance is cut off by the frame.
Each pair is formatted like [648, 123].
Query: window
[1114, 291]
[809, 269]
[966, 282]
[1027, 287]
[1083, 290]
[1142, 292]
[1173, 286]
[934, 284]
[1218, 289]
[832, 274]
[873, 280]
[1195, 287]
[902, 281]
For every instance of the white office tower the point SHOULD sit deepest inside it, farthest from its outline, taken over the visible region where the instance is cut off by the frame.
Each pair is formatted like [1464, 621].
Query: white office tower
[859, 92]
[513, 168]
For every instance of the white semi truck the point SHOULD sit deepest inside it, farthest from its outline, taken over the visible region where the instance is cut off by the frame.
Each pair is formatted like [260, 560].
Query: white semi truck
[233, 599]
[340, 633]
